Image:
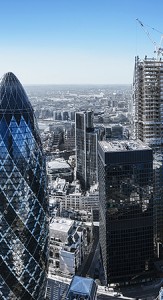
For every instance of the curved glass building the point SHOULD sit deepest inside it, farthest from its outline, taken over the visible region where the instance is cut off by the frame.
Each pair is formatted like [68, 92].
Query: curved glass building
[23, 197]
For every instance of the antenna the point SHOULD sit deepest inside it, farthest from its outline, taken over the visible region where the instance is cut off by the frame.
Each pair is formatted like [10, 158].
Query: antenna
[158, 49]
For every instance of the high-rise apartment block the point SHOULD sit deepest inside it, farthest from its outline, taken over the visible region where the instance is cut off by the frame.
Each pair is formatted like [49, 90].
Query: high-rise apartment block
[148, 102]
[23, 197]
[126, 210]
[148, 121]
[86, 149]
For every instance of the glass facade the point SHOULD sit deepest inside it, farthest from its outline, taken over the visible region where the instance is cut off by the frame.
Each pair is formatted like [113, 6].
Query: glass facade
[86, 149]
[23, 197]
[126, 212]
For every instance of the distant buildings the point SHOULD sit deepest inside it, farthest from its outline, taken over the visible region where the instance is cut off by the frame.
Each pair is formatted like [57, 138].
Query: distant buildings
[57, 137]
[113, 132]
[70, 196]
[86, 149]
[126, 210]
[23, 197]
[69, 136]
[64, 115]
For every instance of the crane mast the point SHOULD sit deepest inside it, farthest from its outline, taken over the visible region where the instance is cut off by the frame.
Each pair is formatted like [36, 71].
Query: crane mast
[158, 49]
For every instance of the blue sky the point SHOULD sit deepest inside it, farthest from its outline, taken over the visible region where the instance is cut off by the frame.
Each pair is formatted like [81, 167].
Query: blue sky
[76, 41]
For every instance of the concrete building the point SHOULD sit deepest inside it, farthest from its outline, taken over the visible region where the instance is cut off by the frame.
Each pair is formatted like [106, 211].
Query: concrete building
[148, 101]
[68, 245]
[70, 196]
[59, 168]
[69, 136]
[126, 210]
[114, 131]
[148, 124]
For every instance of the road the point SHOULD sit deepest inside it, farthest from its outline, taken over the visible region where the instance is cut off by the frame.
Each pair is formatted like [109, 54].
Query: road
[84, 268]
[144, 291]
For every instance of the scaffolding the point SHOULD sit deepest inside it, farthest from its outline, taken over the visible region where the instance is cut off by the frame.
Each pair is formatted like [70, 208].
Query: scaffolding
[148, 127]
[148, 101]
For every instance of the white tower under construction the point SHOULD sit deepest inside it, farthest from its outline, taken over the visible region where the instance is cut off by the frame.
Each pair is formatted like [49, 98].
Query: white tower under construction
[148, 126]
[148, 102]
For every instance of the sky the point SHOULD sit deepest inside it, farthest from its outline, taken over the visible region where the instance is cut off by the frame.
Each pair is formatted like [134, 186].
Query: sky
[77, 41]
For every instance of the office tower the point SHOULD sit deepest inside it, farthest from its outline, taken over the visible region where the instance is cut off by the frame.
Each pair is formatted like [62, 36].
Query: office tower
[86, 149]
[23, 197]
[158, 205]
[126, 210]
[82, 288]
[69, 136]
[148, 121]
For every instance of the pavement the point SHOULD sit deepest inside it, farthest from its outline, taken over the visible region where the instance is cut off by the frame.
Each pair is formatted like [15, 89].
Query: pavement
[92, 264]
[85, 269]
[146, 291]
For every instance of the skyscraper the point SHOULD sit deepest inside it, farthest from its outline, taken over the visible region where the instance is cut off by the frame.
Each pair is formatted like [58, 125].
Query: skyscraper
[148, 121]
[23, 197]
[126, 210]
[148, 102]
[86, 149]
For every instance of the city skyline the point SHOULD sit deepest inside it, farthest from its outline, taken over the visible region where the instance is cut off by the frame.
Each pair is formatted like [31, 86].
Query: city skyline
[88, 42]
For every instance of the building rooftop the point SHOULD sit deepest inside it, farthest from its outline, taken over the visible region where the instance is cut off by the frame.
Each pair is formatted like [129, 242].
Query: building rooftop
[58, 163]
[60, 284]
[120, 146]
[81, 285]
[61, 225]
[59, 184]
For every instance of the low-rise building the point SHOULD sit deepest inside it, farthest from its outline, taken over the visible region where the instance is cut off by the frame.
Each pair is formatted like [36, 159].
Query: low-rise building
[68, 245]
[59, 168]
[82, 288]
[70, 196]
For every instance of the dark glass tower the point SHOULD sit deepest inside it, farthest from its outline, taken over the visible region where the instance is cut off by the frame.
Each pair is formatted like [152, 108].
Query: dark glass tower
[126, 210]
[23, 197]
[86, 149]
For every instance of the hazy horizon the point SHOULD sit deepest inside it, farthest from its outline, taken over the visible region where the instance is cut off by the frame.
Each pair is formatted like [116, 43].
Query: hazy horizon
[76, 42]
[77, 84]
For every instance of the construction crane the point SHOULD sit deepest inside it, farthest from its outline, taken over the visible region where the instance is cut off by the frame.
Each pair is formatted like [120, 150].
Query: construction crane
[158, 49]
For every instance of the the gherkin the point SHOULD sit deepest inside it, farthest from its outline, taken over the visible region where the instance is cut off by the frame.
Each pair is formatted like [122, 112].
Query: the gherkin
[23, 197]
